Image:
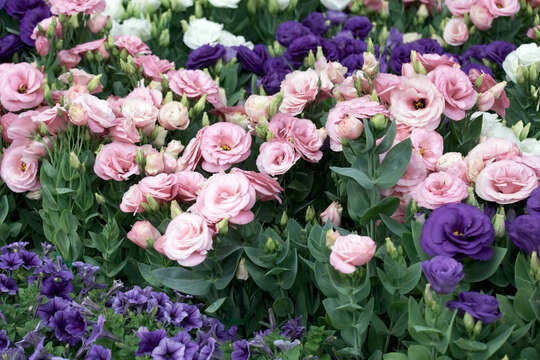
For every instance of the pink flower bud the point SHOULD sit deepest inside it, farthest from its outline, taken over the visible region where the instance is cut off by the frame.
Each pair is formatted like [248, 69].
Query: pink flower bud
[142, 232]
[174, 116]
[350, 128]
[332, 213]
[42, 46]
[154, 163]
[351, 251]
[485, 101]
[97, 22]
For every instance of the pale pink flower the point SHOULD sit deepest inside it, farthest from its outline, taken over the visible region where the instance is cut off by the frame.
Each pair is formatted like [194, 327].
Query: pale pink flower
[299, 88]
[429, 144]
[174, 116]
[351, 251]
[142, 232]
[51, 118]
[133, 45]
[330, 74]
[153, 66]
[306, 139]
[384, 85]
[97, 113]
[493, 149]
[501, 7]
[481, 17]
[19, 175]
[222, 145]
[151, 96]
[431, 61]
[256, 107]
[132, 200]
[161, 187]
[44, 25]
[456, 32]
[266, 187]
[97, 22]
[332, 213]
[501, 102]
[188, 184]
[453, 163]
[191, 155]
[116, 161]
[72, 7]
[276, 157]
[142, 113]
[459, 7]
[5, 122]
[414, 174]
[439, 189]
[96, 45]
[193, 83]
[125, 131]
[68, 58]
[23, 129]
[42, 46]
[21, 87]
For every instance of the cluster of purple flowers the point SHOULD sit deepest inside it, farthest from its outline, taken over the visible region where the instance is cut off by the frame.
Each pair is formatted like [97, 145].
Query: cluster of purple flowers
[524, 231]
[29, 13]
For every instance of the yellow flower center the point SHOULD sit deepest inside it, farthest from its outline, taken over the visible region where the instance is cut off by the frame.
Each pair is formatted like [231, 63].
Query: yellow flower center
[23, 166]
[420, 104]
[457, 233]
[225, 147]
[22, 89]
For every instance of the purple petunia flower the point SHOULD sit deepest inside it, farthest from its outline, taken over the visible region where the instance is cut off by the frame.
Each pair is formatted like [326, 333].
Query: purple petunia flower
[11, 261]
[15, 246]
[533, 203]
[205, 56]
[185, 316]
[217, 330]
[293, 329]
[46, 311]
[58, 286]
[68, 326]
[149, 340]
[98, 352]
[443, 273]
[207, 347]
[360, 26]
[191, 346]
[240, 350]
[8, 285]
[30, 259]
[482, 307]
[12, 354]
[4, 340]
[316, 23]
[135, 296]
[524, 232]
[169, 349]
[285, 345]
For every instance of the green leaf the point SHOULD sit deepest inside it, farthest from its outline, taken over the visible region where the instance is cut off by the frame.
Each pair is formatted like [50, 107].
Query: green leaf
[187, 281]
[470, 345]
[4, 208]
[61, 191]
[388, 139]
[394, 226]
[477, 271]
[495, 343]
[370, 140]
[316, 244]
[394, 164]
[291, 263]
[408, 282]
[522, 304]
[212, 308]
[257, 274]
[419, 352]
[146, 272]
[283, 307]
[395, 356]
[386, 206]
[356, 174]
[340, 319]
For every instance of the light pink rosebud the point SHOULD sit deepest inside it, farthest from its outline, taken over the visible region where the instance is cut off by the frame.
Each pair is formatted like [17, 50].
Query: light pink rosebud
[481, 17]
[142, 232]
[456, 32]
[97, 22]
[68, 58]
[256, 107]
[351, 251]
[332, 213]
[132, 200]
[370, 64]
[174, 116]
[350, 128]
[154, 163]
[174, 148]
[42, 46]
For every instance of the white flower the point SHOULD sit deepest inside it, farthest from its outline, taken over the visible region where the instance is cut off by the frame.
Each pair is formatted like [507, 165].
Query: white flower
[132, 26]
[183, 3]
[524, 55]
[411, 36]
[493, 127]
[202, 32]
[224, 3]
[335, 4]
[283, 4]
[142, 6]
[114, 9]
[530, 147]
[229, 39]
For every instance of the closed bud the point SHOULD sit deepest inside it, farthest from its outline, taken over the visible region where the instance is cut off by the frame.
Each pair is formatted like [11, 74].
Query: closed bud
[535, 263]
[199, 13]
[200, 105]
[370, 46]
[94, 83]
[310, 214]
[164, 38]
[471, 199]
[283, 220]
[273, 6]
[252, 6]
[270, 245]
[185, 25]
[521, 75]
[468, 321]
[536, 33]
[331, 237]
[158, 140]
[477, 328]
[261, 131]
[43, 130]
[383, 35]
[175, 209]
[60, 44]
[140, 159]
[74, 21]
[391, 248]
[165, 19]
[99, 198]
[223, 226]
[74, 161]
[51, 30]
[153, 205]
[525, 132]
[241, 272]
[379, 121]
[533, 73]
[275, 104]
[498, 222]
[422, 13]
[320, 54]
[33, 195]
[428, 295]
[517, 128]
[205, 119]
[47, 94]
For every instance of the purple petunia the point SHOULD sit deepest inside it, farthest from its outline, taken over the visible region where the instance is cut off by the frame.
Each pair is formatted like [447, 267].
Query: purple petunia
[149, 340]
[185, 316]
[240, 350]
[30, 259]
[4, 340]
[98, 352]
[46, 311]
[169, 349]
[293, 329]
[8, 285]
[11, 261]
[68, 326]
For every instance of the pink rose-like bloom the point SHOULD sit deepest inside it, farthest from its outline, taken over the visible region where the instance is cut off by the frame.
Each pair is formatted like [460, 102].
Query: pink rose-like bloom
[299, 88]
[96, 45]
[414, 174]
[71, 7]
[222, 145]
[431, 61]
[276, 157]
[256, 107]
[330, 73]
[456, 88]
[281, 126]
[459, 7]
[80, 77]
[345, 90]
[347, 111]
[74, 92]
[5, 122]
[485, 101]
[42, 46]
[439, 189]
[351, 251]
[174, 116]
[307, 140]
[453, 163]
[151, 96]
[50, 117]
[501, 7]
[506, 182]
[116, 161]
[161, 187]
[384, 84]
[193, 83]
[456, 32]
[141, 113]
[18, 174]
[416, 102]
[125, 131]
[23, 129]
[481, 17]
[68, 58]
[141, 232]
[153, 66]
[228, 196]
[375, 5]
[97, 22]
[132, 200]
[154, 163]
[97, 113]
[44, 25]
[187, 240]
[133, 45]
[188, 184]
[429, 144]
[21, 87]
[532, 161]
[501, 102]
[191, 155]
[333, 213]
[493, 149]
[266, 187]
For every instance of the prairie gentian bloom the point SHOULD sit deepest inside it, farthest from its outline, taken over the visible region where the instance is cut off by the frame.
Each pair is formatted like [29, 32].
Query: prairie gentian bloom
[482, 307]
[443, 273]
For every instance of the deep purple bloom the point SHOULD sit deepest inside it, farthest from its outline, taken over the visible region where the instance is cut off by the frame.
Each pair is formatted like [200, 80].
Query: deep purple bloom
[59, 285]
[185, 316]
[10, 261]
[240, 350]
[8, 285]
[17, 8]
[30, 259]
[498, 50]
[191, 346]
[524, 231]
[458, 230]
[205, 56]
[395, 38]
[40, 353]
[399, 56]
[300, 48]
[4, 340]
[330, 50]
[2, 4]
[482, 307]
[336, 17]
[135, 296]
[353, 62]
[316, 23]
[30, 21]
[360, 26]
[289, 31]
[46, 311]
[476, 52]
[149, 340]
[277, 64]
[347, 46]
[32, 338]
[428, 46]
[533, 203]
[207, 348]
[443, 273]
[98, 352]
[293, 329]
[253, 60]
[68, 326]
[14, 246]
[169, 349]
[272, 82]
[217, 330]
[13, 354]
[480, 67]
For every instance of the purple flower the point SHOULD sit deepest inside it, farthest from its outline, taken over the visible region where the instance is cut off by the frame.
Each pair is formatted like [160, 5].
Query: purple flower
[497, 51]
[149, 340]
[395, 38]
[98, 352]
[476, 52]
[59, 285]
[207, 347]
[30, 259]
[300, 48]
[135, 296]
[330, 50]
[13, 354]
[30, 21]
[68, 326]
[8, 285]
[18, 8]
[4, 340]
[46, 311]
[9, 45]
[293, 329]
[533, 203]
[428, 46]
[353, 62]
[443, 273]
[205, 56]
[480, 67]
[169, 349]
[336, 17]
[316, 23]
[240, 350]
[32, 338]
[277, 64]
[289, 31]
[15, 246]
[272, 82]
[2, 3]
[524, 231]
[40, 353]
[185, 316]
[286, 345]
[360, 26]
[10, 261]
[191, 346]
[253, 60]
[399, 56]
[482, 307]
[346, 46]
[458, 230]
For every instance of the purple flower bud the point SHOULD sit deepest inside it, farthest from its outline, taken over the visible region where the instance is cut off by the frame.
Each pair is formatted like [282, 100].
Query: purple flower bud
[443, 273]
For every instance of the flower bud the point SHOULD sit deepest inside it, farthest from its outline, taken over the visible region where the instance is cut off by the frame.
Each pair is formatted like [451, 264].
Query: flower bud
[468, 321]
[391, 248]
[485, 101]
[273, 6]
[173, 115]
[428, 295]
[164, 38]
[498, 222]
[331, 237]
[379, 121]
[152, 203]
[175, 209]
[200, 105]
[310, 214]
[417, 65]
[422, 13]
[199, 13]
[252, 7]
[154, 163]
[33, 195]
[94, 83]
[471, 199]
[99, 198]
[477, 328]
[241, 272]
[284, 219]
[309, 61]
[185, 25]
[223, 226]
[158, 138]
[205, 121]
[74, 161]
[174, 148]
[143, 234]
[270, 245]
[350, 128]
[332, 213]
[517, 128]
[533, 73]
[522, 75]
[74, 21]
[275, 104]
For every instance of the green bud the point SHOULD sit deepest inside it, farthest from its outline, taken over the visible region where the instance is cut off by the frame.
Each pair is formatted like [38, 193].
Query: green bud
[43, 130]
[152, 203]
[261, 91]
[517, 128]
[241, 272]
[479, 81]
[379, 121]
[428, 296]
[261, 131]
[521, 75]
[168, 97]
[123, 54]
[175, 209]
[477, 328]
[200, 105]
[185, 25]
[275, 104]
[140, 160]
[199, 13]
[422, 13]
[292, 4]
[536, 33]
[74, 21]
[60, 44]
[498, 222]
[320, 54]
[535, 263]
[533, 73]
[310, 214]
[309, 61]
[273, 6]
[391, 248]
[468, 321]
[252, 7]
[284, 219]
[370, 46]
[219, 66]
[165, 19]
[505, 357]
[185, 101]
[99, 199]
[94, 83]
[74, 161]
[269, 134]
[270, 245]
[223, 226]
[414, 206]
[51, 30]
[205, 119]
[383, 35]
[164, 38]
[471, 199]
[47, 94]
[374, 96]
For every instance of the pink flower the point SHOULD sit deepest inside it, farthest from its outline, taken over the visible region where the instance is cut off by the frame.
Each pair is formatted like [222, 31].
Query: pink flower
[493, 149]
[256, 107]
[414, 174]
[453, 163]
[375, 5]
[501, 102]
[187, 240]
[142, 113]
[306, 140]
[346, 90]
[151, 96]
[96, 113]
[481, 17]
[299, 88]
[347, 112]
[188, 184]
[42, 46]
[333, 213]
[80, 77]
[532, 161]
[21, 87]
[19, 175]
[154, 163]
[174, 116]
[506, 182]
[416, 102]
[193, 83]
[459, 7]
[44, 25]
[125, 131]
[266, 187]
[132, 200]
[330, 74]
[153, 66]
[174, 148]
[456, 88]
[5, 122]
[23, 129]
[50, 117]
[116, 161]
[141, 232]
[351, 251]
[191, 155]
[276, 157]
[228, 196]
[97, 22]
[281, 126]
[222, 145]
[456, 32]
[501, 7]
[71, 7]
[439, 189]
[96, 45]
[384, 84]
[531, 34]
[133, 45]
[429, 144]
[161, 187]
[431, 61]
[68, 58]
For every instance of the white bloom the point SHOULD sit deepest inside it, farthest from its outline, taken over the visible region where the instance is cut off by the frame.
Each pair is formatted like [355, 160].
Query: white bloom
[225, 3]
[132, 26]
[411, 36]
[202, 32]
[183, 3]
[142, 6]
[493, 127]
[229, 39]
[114, 9]
[335, 4]
[530, 147]
[524, 55]
[283, 4]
